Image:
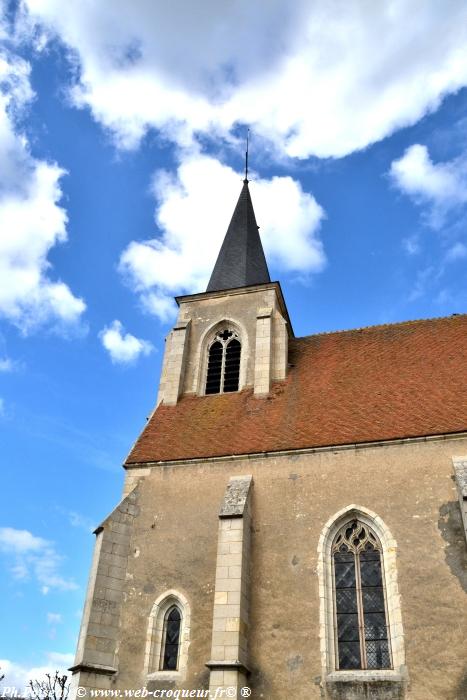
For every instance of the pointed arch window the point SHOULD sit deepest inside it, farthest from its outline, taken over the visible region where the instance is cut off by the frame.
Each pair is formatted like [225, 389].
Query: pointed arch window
[361, 621]
[171, 639]
[168, 637]
[223, 371]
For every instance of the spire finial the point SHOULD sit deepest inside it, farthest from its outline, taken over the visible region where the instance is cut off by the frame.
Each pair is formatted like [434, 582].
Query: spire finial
[246, 155]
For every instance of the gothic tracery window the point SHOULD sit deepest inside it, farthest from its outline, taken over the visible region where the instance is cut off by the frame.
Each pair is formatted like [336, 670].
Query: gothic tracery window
[361, 627]
[223, 371]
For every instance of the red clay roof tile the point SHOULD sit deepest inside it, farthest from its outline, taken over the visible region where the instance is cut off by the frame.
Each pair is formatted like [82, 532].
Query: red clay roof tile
[379, 383]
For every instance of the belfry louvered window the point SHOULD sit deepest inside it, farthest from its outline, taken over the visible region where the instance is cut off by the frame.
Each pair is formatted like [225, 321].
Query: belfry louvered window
[171, 639]
[223, 371]
[361, 631]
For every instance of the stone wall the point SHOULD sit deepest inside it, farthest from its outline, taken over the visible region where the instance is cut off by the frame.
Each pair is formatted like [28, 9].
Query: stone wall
[96, 659]
[173, 547]
[258, 315]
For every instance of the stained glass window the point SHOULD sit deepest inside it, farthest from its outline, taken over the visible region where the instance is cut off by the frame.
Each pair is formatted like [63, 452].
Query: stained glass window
[223, 371]
[171, 639]
[362, 638]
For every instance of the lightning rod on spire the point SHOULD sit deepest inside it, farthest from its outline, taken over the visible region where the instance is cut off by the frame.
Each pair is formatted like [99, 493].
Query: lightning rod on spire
[246, 155]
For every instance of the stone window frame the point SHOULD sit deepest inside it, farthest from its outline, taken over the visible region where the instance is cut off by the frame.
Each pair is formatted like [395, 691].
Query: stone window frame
[330, 674]
[206, 341]
[155, 636]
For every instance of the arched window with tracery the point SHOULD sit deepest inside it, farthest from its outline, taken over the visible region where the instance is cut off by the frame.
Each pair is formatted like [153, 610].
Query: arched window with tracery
[360, 609]
[171, 640]
[223, 371]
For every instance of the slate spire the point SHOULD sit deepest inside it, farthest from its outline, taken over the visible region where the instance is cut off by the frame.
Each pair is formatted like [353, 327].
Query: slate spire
[241, 260]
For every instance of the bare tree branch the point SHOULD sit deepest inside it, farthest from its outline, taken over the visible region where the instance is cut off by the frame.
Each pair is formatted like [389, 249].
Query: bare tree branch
[53, 688]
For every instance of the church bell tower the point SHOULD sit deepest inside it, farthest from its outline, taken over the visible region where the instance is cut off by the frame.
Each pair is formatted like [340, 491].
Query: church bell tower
[234, 336]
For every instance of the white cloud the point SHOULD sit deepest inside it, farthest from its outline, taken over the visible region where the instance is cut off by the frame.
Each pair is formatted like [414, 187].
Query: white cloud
[457, 252]
[54, 618]
[423, 281]
[59, 659]
[322, 78]
[33, 557]
[438, 186]
[81, 521]
[18, 675]
[193, 212]
[31, 220]
[417, 175]
[411, 245]
[122, 347]
[20, 541]
[6, 364]
[2, 406]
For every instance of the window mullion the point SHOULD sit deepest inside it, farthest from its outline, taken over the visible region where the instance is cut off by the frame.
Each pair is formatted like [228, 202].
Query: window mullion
[224, 348]
[163, 643]
[336, 638]
[386, 612]
[361, 619]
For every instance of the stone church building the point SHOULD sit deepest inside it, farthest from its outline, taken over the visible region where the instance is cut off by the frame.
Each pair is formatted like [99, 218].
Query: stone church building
[294, 517]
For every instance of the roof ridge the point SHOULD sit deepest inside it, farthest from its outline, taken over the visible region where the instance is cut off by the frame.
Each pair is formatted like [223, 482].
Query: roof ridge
[381, 325]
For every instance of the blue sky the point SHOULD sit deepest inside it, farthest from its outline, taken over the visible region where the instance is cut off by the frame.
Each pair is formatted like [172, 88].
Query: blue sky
[121, 152]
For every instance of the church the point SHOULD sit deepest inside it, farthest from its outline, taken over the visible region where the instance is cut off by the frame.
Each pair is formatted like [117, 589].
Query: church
[294, 517]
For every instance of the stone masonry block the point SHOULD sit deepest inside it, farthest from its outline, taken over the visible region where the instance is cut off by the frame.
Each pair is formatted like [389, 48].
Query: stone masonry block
[231, 652]
[104, 582]
[99, 657]
[103, 630]
[117, 572]
[121, 528]
[229, 560]
[235, 497]
[113, 595]
[218, 653]
[232, 536]
[216, 678]
[227, 584]
[232, 624]
[219, 624]
[226, 638]
[222, 572]
[225, 611]
[113, 559]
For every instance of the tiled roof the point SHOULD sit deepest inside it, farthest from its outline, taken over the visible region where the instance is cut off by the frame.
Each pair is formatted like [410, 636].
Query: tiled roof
[379, 383]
